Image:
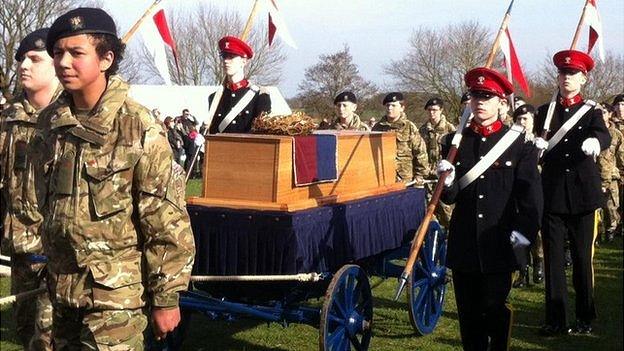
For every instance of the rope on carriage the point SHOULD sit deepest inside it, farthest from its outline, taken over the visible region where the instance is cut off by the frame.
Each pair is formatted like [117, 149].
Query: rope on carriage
[21, 296]
[5, 258]
[302, 277]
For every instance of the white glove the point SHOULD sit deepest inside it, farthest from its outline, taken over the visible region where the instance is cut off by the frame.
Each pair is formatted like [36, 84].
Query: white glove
[541, 144]
[591, 147]
[518, 240]
[183, 157]
[445, 166]
[199, 140]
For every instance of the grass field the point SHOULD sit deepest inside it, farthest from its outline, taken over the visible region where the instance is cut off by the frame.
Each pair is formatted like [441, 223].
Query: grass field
[392, 329]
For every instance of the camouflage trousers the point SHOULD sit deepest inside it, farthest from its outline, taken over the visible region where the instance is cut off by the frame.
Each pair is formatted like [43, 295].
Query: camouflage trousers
[111, 330]
[611, 213]
[33, 317]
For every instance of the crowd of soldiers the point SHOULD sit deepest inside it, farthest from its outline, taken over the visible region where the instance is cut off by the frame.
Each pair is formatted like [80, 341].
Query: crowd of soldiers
[90, 180]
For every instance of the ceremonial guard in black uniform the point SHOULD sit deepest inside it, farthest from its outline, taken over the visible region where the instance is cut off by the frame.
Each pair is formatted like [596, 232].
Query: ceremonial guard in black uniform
[572, 190]
[495, 187]
[241, 101]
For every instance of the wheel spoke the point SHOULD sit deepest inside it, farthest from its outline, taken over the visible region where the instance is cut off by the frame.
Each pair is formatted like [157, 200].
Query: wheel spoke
[355, 342]
[335, 319]
[341, 311]
[336, 337]
[348, 292]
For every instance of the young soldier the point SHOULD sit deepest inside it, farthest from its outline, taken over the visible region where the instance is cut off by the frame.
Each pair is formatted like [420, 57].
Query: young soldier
[610, 162]
[495, 186]
[524, 115]
[346, 118]
[241, 101]
[432, 132]
[33, 320]
[572, 193]
[411, 156]
[116, 231]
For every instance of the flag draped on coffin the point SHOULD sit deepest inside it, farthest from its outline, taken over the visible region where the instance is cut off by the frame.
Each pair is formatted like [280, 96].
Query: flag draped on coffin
[512, 63]
[592, 18]
[314, 158]
[156, 35]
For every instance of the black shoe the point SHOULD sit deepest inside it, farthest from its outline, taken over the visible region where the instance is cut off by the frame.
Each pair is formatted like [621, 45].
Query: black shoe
[552, 330]
[582, 328]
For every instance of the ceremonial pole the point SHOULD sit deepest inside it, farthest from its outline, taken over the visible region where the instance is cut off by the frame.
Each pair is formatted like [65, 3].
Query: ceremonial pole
[219, 93]
[138, 23]
[577, 34]
[419, 237]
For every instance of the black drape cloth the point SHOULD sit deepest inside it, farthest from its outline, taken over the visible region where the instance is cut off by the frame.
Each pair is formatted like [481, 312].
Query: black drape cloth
[241, 242]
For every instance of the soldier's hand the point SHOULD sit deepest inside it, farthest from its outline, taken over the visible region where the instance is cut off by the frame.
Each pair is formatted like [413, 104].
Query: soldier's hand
[164, 320]
[541, 144]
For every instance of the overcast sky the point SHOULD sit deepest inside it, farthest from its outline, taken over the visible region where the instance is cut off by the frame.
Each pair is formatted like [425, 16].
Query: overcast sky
[377, 30]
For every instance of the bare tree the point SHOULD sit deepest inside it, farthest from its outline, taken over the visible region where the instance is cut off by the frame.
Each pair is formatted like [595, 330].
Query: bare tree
[605, 80]
[438, 59]
[17, 19]
[196, 32]
[333, 74]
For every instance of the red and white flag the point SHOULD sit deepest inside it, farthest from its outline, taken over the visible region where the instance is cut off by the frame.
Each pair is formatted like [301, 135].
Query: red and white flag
[277, 25]
[156, 35]
[592, 18]
[514, 69]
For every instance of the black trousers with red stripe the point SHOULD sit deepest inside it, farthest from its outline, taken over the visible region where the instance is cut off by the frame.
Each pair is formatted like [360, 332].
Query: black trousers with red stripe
[580, 231]
[484, 318]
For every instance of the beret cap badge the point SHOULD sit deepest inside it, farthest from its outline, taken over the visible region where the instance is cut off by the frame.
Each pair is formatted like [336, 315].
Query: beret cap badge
[567, 59]
[76, 22]
[40, 44]
[480, 80]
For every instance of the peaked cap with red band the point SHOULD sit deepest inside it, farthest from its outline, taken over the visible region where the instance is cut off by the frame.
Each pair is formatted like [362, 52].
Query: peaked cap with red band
[489, 81]
[233, 45]
[572, 59]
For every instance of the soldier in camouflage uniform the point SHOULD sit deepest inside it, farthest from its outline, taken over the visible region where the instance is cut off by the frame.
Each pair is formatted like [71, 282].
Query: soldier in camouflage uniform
[610, 162]
[22, 223]
[433, 132]
[116, 230]
[346, 118]
[618, 119]
[412, 163]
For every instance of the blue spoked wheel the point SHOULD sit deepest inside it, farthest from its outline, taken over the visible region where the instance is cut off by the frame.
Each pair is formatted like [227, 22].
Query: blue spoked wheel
[347, 314]
[427, 284]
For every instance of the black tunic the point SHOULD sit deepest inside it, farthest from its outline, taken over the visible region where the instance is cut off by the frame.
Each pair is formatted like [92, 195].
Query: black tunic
[571, 179]
[261, 102]
[506, 197]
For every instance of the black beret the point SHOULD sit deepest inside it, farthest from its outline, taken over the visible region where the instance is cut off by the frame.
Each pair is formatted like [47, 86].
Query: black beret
[392, 97]
[345, 96]
[434, 102]
[617, 99]
[523, 109]
[607, 106]
[465, 97]
[83, 20]
[34, 41]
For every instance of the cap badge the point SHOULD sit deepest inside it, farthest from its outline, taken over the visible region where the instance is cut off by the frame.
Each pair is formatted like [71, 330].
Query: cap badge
[480, 80]
[227, 44]
[76, 22]
[346, 98]
[394, 98]
[567, 60]
[39, 43]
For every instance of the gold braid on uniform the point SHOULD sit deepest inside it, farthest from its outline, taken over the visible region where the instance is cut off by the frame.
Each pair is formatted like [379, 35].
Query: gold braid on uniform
[296, 124]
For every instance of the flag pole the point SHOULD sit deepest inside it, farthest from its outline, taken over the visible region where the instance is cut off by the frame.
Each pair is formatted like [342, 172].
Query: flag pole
[501, 32]
[579, 26]
[420, 234]
[138, 23]
[250, 20]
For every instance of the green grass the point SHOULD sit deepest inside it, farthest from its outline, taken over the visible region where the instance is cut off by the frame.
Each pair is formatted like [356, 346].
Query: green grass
[392, 329]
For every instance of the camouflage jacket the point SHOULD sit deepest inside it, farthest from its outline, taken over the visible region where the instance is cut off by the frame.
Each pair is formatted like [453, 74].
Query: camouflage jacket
[355, 124]
[23, 220]
[433, 137]
[611, 160]
[412, 163]
[115, 224]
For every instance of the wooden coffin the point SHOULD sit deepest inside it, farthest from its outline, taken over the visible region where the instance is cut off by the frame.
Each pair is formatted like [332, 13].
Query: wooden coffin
[256, 172]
